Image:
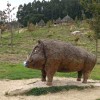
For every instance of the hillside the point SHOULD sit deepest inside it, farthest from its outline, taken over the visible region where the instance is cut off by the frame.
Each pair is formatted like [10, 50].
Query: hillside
[24, 41]
[11, 61]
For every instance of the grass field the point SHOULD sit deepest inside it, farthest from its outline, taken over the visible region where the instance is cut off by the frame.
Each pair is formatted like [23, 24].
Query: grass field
[11, 65]
[24, 41]
[18, 71]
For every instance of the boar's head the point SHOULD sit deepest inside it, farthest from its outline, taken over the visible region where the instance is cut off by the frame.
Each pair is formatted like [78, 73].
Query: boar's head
[36, 60]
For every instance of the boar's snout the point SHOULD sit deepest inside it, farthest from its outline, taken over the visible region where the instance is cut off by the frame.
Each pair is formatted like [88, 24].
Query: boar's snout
[26, 63]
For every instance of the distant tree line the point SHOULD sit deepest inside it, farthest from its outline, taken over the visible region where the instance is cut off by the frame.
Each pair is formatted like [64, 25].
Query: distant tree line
[50, 10]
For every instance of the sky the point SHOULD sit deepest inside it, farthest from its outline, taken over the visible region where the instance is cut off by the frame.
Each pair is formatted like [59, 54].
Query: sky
[14, 3]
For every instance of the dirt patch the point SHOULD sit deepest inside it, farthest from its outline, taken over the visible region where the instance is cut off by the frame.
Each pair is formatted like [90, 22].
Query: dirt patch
[12, 58]
[19, 85]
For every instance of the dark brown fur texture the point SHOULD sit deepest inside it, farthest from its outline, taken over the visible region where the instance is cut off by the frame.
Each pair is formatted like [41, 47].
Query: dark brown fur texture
[55, 56]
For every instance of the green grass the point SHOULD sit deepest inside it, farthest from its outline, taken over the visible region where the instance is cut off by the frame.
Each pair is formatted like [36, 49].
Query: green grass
[54, 89]
[18, 71]
[96, 73]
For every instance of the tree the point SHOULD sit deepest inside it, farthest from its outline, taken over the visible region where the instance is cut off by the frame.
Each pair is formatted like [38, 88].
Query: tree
[48, 10]
[8, 13]
[94, 7]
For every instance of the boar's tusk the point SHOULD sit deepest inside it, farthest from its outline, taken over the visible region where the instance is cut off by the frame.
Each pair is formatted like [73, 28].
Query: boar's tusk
[27, 56]
[24, 63]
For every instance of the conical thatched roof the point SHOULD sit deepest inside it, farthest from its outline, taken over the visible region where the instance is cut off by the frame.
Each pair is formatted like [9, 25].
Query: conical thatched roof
[58, 21]
[67, 19]
[41, 23]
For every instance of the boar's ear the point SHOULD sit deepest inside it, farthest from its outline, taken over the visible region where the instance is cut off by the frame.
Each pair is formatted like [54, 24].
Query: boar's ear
[40, 42]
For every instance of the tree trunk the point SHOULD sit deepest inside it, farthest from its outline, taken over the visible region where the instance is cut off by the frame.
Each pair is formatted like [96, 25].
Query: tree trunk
[0, 38]
[18, 27]
[96, 47]
[11, 39]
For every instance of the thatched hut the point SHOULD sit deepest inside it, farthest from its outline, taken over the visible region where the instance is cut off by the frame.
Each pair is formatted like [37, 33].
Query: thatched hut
[67, 19]
[58, 21]
[41, 23]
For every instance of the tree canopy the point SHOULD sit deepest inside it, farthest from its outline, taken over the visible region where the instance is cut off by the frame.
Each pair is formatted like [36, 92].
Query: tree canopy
[49, 10]
[94, 7]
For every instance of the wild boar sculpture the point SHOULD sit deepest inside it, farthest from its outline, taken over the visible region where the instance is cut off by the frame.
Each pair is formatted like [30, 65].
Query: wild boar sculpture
[55, 56]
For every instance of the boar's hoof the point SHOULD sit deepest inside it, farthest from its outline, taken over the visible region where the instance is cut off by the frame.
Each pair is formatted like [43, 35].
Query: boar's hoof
[43, 80]
[49, 83]
[78, 79]
[84, 82]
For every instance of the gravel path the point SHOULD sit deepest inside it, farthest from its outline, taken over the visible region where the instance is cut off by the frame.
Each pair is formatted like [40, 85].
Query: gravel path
[12, 86]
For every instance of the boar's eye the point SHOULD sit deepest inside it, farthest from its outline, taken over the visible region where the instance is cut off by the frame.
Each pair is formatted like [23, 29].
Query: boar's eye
[36, 50]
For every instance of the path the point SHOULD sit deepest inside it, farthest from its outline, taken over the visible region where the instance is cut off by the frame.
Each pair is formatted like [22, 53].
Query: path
[86, 94]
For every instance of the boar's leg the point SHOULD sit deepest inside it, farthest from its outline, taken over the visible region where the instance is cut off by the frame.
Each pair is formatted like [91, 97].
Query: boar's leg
[43, 75]
[87, 70]
[50, 75]
[50, 71]
[85, 76]
[79, 75]
[51, 68]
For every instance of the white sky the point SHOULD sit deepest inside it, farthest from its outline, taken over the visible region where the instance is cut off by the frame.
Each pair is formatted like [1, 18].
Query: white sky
[14, 3]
